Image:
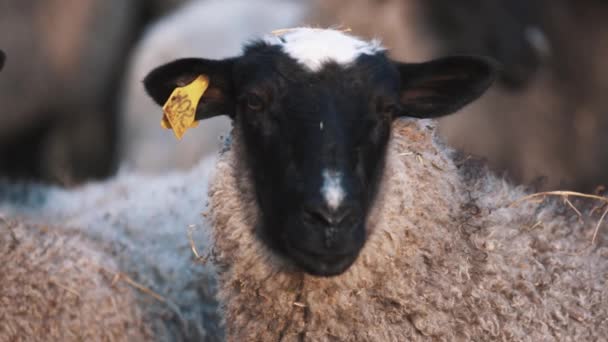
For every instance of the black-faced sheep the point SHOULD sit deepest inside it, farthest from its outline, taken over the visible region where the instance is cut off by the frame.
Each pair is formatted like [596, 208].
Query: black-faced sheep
[337, 219]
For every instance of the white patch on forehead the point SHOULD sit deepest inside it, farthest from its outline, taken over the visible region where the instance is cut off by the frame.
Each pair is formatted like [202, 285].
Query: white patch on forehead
[313, 47]
[332, 189]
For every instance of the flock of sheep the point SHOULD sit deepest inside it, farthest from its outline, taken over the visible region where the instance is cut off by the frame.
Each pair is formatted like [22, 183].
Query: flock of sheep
[451, 253]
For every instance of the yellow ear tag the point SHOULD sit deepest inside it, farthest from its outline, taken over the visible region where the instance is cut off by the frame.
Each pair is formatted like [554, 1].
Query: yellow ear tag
[180, 109]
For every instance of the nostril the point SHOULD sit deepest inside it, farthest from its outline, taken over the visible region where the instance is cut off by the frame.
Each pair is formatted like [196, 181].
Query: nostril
[315, 216]
[340, 215]
[325, 216]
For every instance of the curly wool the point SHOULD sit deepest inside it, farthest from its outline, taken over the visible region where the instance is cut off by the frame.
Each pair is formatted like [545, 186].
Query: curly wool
[447, 258]
[59, 286]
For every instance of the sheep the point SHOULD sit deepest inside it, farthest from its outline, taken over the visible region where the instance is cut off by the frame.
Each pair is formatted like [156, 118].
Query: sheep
[123, 245]
[183, 33]
[563, 98]
[58, 287]
[338, 214]
[66, 60]
[52, 53]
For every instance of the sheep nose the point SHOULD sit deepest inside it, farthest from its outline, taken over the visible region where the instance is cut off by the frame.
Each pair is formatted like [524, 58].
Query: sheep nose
[321, 214]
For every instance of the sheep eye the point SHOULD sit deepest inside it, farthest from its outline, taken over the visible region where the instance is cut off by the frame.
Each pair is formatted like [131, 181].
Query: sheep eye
[254, 102]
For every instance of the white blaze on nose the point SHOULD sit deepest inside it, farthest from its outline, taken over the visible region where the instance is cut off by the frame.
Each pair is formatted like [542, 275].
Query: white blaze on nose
[332, 189]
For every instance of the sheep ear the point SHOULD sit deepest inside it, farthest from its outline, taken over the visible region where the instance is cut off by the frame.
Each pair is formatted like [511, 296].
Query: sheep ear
[443, 86]
[218, 99]
[2, 58]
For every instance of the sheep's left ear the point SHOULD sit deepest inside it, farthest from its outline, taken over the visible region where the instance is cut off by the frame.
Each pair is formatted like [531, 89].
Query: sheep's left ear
[2, 58]
[443, 86]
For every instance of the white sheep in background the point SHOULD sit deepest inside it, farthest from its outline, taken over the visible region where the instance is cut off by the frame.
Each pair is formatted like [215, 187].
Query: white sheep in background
[131, 231]
[211, 29]
[439, 253]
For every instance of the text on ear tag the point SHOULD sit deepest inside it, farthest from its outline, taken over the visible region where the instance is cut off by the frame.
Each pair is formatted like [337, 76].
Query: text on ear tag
[180, 109]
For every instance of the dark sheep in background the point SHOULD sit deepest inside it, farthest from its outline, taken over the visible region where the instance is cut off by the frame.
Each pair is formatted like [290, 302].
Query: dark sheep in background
[58, 94]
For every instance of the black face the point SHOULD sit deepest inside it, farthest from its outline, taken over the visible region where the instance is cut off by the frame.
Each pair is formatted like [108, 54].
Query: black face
[315, 142]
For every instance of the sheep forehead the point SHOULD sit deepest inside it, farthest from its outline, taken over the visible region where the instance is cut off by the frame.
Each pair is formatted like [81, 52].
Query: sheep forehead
[313, 47]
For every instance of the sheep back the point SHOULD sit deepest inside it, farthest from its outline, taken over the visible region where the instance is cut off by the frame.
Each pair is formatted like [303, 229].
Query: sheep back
[60, 287]
[146, 227]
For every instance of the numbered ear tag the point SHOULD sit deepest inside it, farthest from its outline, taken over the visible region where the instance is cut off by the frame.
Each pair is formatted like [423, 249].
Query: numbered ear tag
[180, 109]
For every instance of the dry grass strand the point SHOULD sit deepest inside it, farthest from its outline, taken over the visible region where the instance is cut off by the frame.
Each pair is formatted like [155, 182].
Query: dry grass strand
[565, 195]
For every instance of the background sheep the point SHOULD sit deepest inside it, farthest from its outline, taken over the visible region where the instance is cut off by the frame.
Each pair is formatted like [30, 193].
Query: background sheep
[58, 94]
[58, 286]
[446, 257]
[137, 226]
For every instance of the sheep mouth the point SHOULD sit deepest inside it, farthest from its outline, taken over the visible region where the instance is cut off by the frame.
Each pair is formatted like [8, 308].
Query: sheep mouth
[321, 264]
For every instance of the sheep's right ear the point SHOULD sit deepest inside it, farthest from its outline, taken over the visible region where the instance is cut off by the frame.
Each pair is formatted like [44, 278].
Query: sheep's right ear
[2, 58]
[218, 99]
[443, 86]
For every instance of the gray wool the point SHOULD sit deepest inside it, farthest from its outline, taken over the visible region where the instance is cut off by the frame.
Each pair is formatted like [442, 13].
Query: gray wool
[144, 223]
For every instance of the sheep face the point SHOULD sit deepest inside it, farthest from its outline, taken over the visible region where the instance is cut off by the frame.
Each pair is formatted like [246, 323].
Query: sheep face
[315, 124]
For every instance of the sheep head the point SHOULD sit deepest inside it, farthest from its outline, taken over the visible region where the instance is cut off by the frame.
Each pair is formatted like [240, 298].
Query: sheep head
[313, 109]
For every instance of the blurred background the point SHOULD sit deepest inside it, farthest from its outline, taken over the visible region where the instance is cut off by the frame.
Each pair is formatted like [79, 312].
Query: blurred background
[72, 107]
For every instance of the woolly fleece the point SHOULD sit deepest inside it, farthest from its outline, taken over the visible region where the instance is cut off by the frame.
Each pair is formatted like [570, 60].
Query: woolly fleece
[59, 287]
[137, 223]
[446, 259]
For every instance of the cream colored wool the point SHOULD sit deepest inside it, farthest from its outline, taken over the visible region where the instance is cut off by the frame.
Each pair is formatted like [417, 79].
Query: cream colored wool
[56, 286]
[446, 259]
